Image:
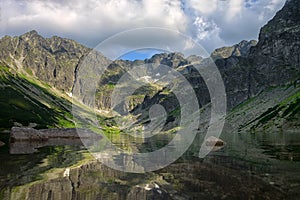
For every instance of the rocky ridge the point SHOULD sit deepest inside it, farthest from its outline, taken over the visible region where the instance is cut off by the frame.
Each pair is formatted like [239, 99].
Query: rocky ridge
[52, 60]
[247, 69]
[240, 49]
[276, 58]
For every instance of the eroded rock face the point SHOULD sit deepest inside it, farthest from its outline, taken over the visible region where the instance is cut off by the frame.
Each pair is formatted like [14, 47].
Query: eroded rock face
[274, 61]
[276, 58]
[53, 60]
[241, 49]
[246, 68]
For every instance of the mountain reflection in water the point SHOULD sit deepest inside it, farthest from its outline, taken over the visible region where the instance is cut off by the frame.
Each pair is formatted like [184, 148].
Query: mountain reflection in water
[249, 166]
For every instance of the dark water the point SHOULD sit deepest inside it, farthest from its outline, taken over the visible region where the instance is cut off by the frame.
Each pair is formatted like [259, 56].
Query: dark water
[271, 158]
[21, 169]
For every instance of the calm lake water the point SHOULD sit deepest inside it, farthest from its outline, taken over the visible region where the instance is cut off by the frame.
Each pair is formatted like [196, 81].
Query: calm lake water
[273, 158]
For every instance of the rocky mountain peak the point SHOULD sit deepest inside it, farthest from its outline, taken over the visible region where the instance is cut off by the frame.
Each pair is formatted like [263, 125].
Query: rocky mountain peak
[276, 57]
[241, 49]
[53, 60]
[173, 60]
[286, 19]
[247, 67]
[31, 35]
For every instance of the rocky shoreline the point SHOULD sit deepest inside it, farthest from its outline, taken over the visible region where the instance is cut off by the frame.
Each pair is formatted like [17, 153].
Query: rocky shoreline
[26, 140]
[31, 134]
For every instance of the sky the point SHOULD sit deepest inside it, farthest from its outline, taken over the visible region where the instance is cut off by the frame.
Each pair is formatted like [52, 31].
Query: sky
[209, 23]
[140, 54]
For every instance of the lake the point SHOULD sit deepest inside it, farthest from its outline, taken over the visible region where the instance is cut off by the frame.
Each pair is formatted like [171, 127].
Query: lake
[260, 165]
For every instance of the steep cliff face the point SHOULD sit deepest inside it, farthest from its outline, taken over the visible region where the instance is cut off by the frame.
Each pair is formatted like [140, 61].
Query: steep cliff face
[246, 68]
[276, 57]
[52, 60]
[274, 61]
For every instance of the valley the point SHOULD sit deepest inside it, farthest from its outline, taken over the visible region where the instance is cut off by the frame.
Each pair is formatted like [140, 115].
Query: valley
[46, 89]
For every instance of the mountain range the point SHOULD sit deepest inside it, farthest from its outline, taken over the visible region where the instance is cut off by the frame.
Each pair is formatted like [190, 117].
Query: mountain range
[39, 76]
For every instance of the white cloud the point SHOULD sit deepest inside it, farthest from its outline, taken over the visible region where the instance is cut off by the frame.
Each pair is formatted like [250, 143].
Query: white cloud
[204, 6]
[234, 8]
[273, 5]
[212, 23]
[235, 20]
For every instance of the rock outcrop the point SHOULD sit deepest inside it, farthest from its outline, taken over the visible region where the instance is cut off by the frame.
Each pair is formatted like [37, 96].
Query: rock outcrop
[30, 134]
[241, 49]
[53, 60]
[274, 61]
[25, 140]
[276, 57]
[247, 68]
[2, 143]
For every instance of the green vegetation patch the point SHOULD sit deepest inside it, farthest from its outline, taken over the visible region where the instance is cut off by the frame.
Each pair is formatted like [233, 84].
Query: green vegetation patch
[26, 102]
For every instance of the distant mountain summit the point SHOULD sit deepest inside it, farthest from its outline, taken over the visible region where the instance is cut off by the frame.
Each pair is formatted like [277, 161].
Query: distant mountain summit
[53, 60]
[247, 68]
[240, 49]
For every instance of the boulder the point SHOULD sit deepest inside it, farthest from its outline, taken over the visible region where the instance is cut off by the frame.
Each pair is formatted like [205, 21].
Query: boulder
[2, 143]
[214, 141]
[214, 144]
[25, 133]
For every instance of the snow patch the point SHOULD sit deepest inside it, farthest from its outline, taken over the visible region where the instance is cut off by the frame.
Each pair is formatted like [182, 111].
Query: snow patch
[67, 172]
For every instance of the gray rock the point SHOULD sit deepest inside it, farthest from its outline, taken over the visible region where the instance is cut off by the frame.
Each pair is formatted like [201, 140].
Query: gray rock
[17, 124]
[276, 57]
[2, 143]
[53, 60]
[247, 68]
[25, 133]
[240, 49]
[32, 125]
[30, 134]
[213, 141]
[148, 191]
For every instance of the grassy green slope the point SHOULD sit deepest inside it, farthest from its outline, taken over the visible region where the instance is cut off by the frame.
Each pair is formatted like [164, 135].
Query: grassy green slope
[275, 109]
[285, 115]
[25, 101]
